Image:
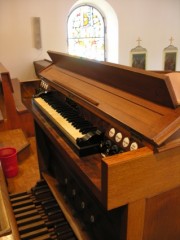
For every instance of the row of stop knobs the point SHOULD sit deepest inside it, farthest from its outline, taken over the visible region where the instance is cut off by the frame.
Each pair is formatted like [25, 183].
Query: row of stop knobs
[108, 148]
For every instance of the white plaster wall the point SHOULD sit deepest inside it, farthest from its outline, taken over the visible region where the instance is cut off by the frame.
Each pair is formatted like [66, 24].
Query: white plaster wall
[153, 21]
[17, 50]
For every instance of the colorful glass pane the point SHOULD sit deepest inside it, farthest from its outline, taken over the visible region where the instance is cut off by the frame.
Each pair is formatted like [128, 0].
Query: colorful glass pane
[86, 33]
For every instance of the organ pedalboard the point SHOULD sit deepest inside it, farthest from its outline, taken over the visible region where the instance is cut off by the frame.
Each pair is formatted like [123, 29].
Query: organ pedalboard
[39, 216]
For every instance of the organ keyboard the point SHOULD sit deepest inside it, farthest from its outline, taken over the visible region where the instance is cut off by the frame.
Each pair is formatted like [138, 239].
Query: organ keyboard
[128, 186]
[84, 136]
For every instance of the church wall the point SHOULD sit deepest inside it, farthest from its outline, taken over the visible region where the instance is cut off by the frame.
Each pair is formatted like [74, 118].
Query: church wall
[153, 21]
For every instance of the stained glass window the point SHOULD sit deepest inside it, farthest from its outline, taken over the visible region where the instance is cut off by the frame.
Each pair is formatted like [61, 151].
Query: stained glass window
[86, 33]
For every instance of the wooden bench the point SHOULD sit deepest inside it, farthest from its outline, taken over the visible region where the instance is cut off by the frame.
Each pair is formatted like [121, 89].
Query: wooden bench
[17, 96]
[14, 113]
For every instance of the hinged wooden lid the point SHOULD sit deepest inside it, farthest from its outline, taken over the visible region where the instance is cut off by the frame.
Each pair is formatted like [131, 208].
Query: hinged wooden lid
[143, 101]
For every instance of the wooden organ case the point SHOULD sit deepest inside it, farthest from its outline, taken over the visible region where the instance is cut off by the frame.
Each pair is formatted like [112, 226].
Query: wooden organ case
[121, 179]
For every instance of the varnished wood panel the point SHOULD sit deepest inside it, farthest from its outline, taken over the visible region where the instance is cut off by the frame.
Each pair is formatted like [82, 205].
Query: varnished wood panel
[139, 174]
[135, 220]
[162, 220]
[151, 86]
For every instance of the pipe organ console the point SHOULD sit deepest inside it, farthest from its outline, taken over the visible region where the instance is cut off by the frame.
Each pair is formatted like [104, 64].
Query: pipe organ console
[108, 143]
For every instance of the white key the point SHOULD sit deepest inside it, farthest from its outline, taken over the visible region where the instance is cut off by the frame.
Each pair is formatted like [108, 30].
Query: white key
[68, 129]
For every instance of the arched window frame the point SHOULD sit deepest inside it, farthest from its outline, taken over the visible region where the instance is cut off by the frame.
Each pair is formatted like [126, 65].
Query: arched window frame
[112, 28]
[93, 36]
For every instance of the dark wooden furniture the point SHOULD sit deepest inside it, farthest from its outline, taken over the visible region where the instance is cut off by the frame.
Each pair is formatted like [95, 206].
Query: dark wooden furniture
[13, 113]
[128, 191]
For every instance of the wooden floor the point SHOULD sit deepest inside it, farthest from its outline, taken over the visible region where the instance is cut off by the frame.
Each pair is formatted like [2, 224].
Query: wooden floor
[28, 171]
